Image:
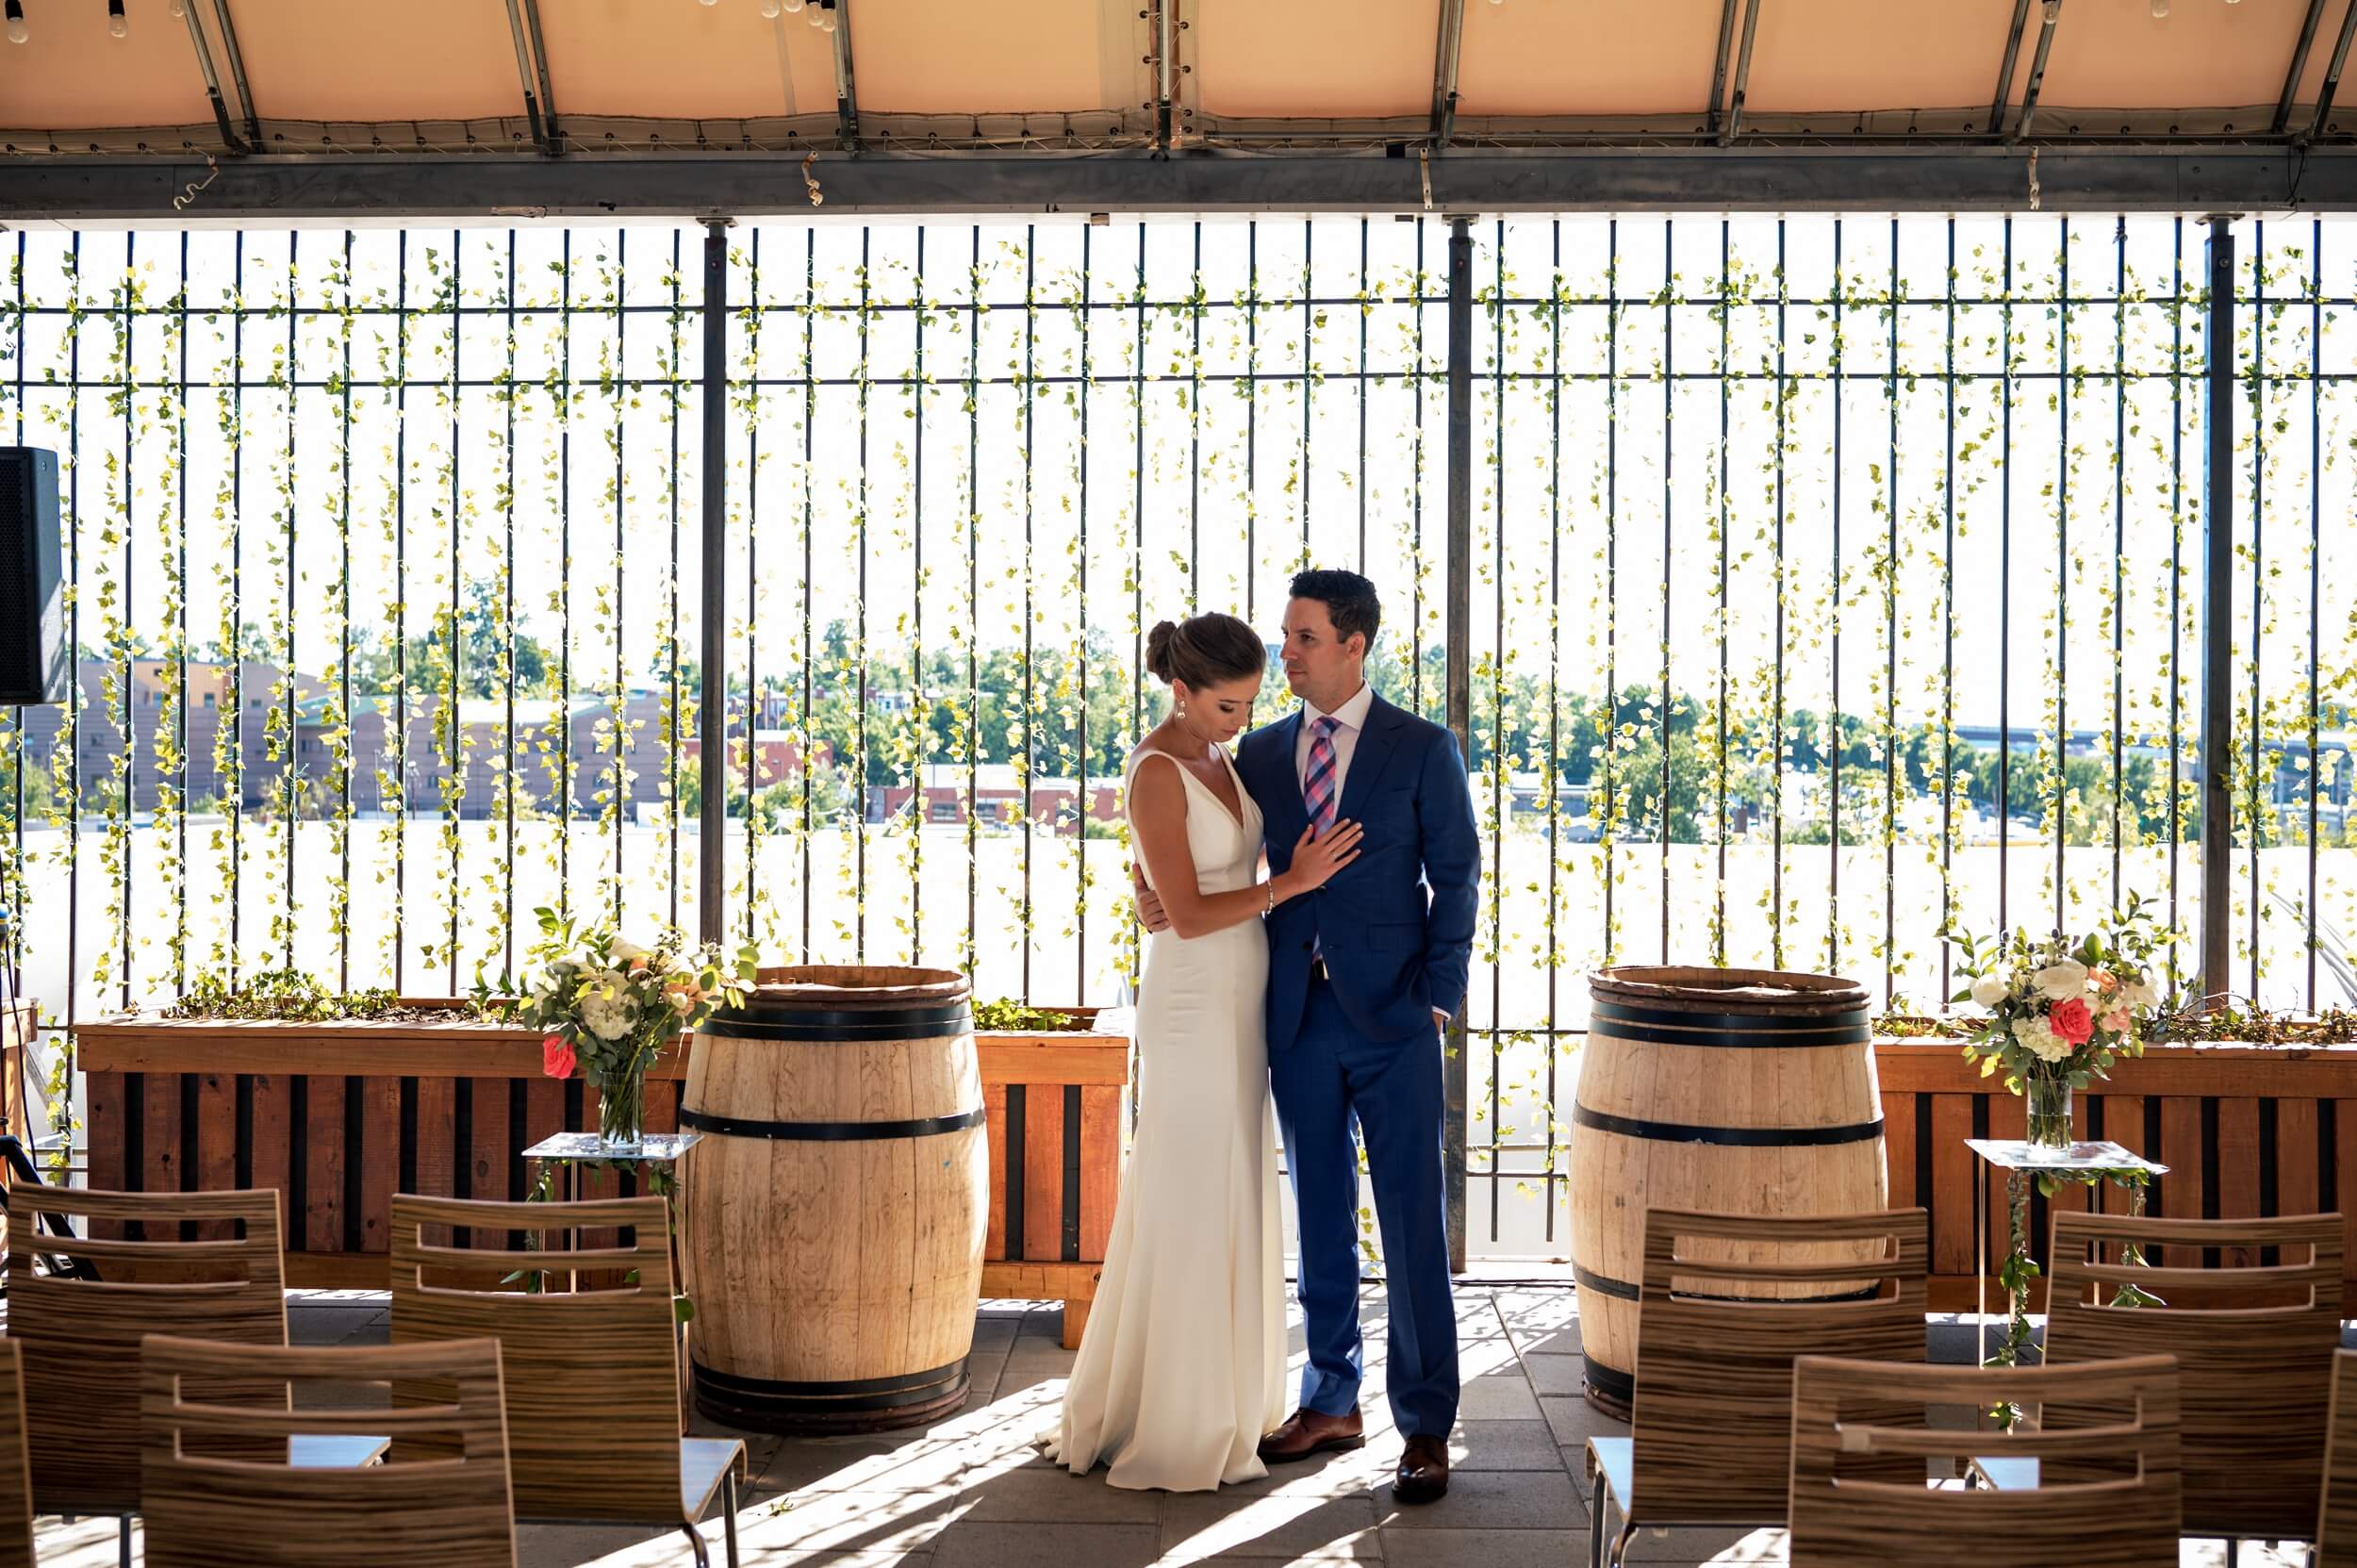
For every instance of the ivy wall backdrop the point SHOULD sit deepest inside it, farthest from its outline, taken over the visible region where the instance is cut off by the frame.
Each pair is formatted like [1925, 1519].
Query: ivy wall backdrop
[1833, 578]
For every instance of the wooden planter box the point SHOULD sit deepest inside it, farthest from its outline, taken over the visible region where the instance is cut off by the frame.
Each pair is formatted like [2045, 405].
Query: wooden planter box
[1057, 1142]
[337, 1115]
[2245, 1131]
[341, 1116]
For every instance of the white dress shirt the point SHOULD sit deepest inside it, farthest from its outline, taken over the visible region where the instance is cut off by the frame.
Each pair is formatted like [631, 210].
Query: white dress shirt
[1353, 716]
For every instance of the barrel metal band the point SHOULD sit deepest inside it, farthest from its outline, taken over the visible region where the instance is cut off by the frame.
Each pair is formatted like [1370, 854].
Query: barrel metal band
[828, 1133]
[868, 1393]
[1733, 1137]
[1610, 1382]
[1603, 1284]
[852, 1028]
[1657, 1026]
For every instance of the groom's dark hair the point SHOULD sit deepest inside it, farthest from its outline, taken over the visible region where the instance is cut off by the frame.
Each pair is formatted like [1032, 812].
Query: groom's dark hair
[1349, 599]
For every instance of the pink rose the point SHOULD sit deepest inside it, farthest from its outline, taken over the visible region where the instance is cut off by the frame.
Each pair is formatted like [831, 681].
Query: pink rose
[2103, 980]
[556, 1057]
[2071, 1022]
[2117, 1021]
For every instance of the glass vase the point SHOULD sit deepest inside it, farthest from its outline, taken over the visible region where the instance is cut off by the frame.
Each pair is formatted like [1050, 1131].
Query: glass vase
[2049, 1103]
[623, 1107]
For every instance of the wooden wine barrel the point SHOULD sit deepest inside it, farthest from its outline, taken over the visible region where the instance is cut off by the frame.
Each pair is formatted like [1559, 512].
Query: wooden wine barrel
[1728, 1091]
[833, 1214]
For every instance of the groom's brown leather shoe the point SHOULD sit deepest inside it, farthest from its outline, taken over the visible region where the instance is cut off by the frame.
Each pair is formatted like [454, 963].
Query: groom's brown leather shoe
[1423, 1473]
[1307, 1433]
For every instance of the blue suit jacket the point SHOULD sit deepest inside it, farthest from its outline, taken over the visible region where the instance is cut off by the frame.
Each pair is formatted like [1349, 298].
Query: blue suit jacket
[1396, 924]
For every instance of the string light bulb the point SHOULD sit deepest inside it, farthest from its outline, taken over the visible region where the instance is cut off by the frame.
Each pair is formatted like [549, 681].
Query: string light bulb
[179, 10]
[117, 25]
[793, 6]
[17, 33]
[826, 20]
[2160, 9]
[769, 10]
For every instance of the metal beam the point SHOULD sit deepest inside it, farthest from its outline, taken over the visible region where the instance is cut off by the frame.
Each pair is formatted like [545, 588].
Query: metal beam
[1446, 49]
[1460, 669]
[712, 683]
[1165, 70]
[213, 80]
[2005, 71]
[1718, 69]
[236, 73]
[845, 95]
[1973, 177]
[1733, 126]
[523, 75]
[2299, 63]
[540, 68]
[2037, 69]
[2332, 73]
[2217, 614]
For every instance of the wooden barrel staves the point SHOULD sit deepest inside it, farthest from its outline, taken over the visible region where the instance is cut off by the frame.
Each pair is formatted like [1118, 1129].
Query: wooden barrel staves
[833, 1214]
[1728, 1091]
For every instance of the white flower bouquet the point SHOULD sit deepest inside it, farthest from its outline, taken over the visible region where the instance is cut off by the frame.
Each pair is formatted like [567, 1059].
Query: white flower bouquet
[2060, 1011]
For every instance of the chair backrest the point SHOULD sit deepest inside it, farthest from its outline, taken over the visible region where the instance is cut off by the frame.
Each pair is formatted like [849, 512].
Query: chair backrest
[2336, 1512]
[16, 1481]
[2253, 1378]
[1712, 1417]
[2111, 1426]
[592, 1368]
[210, 1512]
[81, 1337]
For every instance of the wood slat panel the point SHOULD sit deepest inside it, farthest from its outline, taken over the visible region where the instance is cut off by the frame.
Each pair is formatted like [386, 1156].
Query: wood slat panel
[1099, 1059]
[1899, 1148]
[2181, 1188]
[103, 1113]
[661, 1107]
[1952, 1173]
[321, 1223]
[1042, 1174]
[486, 1156]
[1100, 1167]
[380, 1160]
[2296, 1123]
[271, 1147]
[159, 1135]
[2344, 1174]
[544, 1110]
[216, 1146]
[2238, 1170]
[2071, 1196]
[437, 1141]
[995, 1105]
[2317, 1071]
[354, 1046]
[2123, 1123]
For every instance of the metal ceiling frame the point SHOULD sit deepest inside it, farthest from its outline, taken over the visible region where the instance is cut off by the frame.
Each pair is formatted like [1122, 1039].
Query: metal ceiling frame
[212, 79]
[2047, 23]
[1719, 68]
[237, 74]
[845, 95]
[1447, 51]
[1728, 132]
[1974, 178]
[2005, 69]
[2299, 63]
[540, 137]
[2333, 74]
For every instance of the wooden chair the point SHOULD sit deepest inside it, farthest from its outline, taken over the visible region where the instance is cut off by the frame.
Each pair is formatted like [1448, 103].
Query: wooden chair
[2110, 1497]
[16, 1481]
[588, 1372]
[207, 1509]
[80, 1306]
[2254, 1378]
[2337, 1511]
[1712, 1417]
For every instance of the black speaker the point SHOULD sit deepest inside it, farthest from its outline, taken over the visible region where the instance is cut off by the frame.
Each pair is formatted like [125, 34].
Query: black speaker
[34, 662]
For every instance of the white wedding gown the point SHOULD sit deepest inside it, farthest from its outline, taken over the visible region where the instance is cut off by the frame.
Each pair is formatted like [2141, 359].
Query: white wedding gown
[1182, 1366]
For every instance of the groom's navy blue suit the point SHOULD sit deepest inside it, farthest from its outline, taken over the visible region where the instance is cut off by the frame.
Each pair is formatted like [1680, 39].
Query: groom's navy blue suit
[1393, 929]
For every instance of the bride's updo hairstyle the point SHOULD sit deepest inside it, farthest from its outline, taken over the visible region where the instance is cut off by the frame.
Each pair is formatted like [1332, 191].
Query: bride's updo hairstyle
[1203, 650]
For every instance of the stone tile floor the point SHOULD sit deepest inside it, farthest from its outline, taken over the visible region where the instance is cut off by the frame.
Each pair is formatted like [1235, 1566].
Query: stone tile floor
[970, 1491]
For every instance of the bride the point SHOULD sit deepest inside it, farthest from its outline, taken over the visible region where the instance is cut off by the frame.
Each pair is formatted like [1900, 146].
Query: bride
[1182, 1366]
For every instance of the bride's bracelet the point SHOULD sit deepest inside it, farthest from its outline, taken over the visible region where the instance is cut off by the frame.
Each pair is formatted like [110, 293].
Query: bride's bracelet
[1270, 907]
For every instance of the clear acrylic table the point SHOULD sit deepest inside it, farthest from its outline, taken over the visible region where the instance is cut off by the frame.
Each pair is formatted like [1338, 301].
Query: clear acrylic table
[2087, 1163]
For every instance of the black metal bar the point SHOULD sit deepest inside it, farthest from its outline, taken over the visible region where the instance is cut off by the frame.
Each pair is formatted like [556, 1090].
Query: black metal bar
[2217, 626]
[2038, 69]
[2259, 432]
[2005, 69]
[2299, 63]
[237, 74]
[540, 71]
[1916, 179]
[1459, 622]
[213, 80]
[1719, 68]
[845, 92]
[1733, 126]
[1446, 50]
[2331, 84]
[524, 76]
[2315, 601]
[711, 694]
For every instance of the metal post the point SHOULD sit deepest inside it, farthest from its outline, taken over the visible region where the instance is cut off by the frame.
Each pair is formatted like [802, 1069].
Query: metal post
[1459, 677]
[2217, 626]
[712, 680]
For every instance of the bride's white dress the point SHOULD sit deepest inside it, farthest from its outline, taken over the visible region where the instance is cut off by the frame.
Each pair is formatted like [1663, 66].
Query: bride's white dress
[1182, 1366]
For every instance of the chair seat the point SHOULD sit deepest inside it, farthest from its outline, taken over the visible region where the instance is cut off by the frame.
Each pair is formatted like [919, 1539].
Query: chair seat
[703, 1462]
[1616, 1463]
[314, 1452]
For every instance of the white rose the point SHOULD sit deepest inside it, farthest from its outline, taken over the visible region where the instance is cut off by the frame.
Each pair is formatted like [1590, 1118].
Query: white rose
[2061, 981]
[625, 952]
[1989, 990]
[2138, 993]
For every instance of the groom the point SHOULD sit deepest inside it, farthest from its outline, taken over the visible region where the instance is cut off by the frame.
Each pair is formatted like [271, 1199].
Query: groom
[1363, 977]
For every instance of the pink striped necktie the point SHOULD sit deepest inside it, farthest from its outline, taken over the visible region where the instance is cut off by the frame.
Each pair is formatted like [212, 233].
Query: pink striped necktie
[1317, 781]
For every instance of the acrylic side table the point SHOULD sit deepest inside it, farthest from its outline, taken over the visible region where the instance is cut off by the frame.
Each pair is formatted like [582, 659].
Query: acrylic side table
[2085, 1163]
